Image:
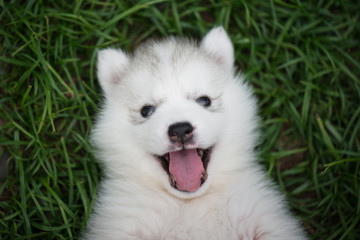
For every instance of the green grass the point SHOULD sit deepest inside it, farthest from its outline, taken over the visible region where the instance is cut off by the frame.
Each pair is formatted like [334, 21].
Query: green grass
[302, 57]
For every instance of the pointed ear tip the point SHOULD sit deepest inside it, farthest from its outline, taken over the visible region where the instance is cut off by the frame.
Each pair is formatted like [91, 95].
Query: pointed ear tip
[104, 51]
[100, 53]
[217, 33]
[219, 29]
[110, 53]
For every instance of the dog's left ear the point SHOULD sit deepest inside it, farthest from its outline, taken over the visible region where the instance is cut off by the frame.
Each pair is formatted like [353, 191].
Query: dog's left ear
[218, 43]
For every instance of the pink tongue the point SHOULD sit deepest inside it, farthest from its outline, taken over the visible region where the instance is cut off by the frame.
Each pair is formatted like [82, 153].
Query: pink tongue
[186, 167]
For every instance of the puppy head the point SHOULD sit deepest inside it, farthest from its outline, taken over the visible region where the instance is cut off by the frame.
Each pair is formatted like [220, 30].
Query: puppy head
[169, 103]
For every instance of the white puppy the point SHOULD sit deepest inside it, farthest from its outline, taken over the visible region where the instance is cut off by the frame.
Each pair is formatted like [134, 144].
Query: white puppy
[176, 138]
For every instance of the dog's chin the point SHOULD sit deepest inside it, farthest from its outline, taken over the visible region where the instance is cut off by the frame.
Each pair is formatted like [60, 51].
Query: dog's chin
[172, 186]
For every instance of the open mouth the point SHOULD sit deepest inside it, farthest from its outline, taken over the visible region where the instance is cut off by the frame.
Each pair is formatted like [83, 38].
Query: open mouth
[187, 168]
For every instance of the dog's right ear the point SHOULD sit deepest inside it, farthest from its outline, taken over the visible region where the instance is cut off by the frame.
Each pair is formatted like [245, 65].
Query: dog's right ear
[111, 65]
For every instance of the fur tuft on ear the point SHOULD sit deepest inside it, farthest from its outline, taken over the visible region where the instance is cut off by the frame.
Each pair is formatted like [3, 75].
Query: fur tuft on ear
[218, 43]
[111, 64]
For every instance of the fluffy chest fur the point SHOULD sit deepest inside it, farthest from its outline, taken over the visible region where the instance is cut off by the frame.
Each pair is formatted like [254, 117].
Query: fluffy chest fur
[246, 210]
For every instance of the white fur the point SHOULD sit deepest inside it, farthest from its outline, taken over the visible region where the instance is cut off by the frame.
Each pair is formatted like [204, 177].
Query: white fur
[135, 200]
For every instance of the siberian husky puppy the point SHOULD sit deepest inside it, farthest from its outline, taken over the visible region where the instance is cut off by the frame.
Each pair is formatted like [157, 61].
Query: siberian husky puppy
[176, 138]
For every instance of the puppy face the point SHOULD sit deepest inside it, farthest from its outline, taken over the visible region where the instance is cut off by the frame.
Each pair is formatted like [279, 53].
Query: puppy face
[173, 96]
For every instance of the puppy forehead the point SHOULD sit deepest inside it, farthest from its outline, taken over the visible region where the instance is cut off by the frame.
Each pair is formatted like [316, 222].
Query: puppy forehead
[172, 65]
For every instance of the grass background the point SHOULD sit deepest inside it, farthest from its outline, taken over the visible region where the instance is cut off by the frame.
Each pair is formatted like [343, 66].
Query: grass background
[302, 57]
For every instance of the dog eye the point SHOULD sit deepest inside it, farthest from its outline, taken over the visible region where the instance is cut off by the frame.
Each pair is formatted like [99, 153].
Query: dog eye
[147, 111]
[204, 101]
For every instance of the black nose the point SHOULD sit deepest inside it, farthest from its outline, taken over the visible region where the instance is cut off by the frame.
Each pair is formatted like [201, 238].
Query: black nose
[180, 132]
